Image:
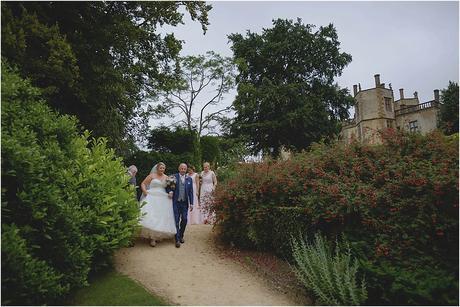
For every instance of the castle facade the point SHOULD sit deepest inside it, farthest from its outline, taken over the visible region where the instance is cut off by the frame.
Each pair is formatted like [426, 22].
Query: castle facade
[377, 109]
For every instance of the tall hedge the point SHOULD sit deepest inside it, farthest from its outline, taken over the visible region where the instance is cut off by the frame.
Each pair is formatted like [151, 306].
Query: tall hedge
[66, 204]
[397, 203]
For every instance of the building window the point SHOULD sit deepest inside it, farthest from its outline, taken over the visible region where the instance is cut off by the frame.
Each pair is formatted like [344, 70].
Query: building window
[389, 123]
[413, 126]
[388, 104]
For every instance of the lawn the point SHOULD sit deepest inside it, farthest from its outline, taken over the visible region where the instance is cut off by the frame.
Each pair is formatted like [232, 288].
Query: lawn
[112, 288]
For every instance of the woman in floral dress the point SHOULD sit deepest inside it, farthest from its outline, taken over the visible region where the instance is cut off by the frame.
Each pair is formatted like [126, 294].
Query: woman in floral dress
[208, 185]
[196, 216]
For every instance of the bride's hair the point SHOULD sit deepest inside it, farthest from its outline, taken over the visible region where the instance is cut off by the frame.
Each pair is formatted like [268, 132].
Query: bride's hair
[154, 169]
[161, 163]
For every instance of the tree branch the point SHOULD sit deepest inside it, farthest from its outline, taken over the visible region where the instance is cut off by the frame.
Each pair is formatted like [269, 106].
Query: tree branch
[202, 81]
[173, 104]
[191, 84]
[179, 121]
[219, 93]
[212, 116]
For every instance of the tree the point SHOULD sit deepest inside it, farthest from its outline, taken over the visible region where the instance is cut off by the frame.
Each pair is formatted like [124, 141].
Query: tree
[177, 145]
[449, 108]
[186, 97]
[212, 152]
[175, 141]
[286, 95]
[97, 60]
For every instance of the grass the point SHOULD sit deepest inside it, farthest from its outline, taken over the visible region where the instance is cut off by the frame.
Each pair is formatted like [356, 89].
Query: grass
[114, 289]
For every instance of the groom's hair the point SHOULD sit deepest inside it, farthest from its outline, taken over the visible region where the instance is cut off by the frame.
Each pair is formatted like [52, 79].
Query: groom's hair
[184, 164]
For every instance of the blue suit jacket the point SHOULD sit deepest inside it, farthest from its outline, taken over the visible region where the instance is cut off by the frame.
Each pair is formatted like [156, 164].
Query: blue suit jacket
[188, 190]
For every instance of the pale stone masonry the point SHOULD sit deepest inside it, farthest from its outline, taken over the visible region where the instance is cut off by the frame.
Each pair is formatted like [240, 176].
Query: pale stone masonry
[376, 109]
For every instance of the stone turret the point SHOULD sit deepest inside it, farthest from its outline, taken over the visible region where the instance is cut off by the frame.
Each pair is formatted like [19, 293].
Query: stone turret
[436, 95]
[377, 80]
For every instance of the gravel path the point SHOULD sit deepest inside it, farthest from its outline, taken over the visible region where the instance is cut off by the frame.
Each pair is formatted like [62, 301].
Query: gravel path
[195, 274]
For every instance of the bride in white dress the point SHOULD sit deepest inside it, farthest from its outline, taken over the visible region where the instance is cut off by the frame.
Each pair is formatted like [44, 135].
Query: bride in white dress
[158, 222]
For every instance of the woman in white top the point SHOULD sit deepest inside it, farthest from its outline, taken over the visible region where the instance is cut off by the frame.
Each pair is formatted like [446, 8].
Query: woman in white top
[208, 185]
[158, 222]
[196, 216]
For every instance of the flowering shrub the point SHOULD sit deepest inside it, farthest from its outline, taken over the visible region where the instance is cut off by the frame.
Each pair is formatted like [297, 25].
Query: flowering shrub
[397, 204]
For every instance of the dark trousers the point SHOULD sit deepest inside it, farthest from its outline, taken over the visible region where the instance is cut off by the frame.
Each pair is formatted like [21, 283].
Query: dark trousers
[180, 215]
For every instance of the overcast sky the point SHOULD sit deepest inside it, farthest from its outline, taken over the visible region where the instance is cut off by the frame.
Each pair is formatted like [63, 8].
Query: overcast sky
[412, 45]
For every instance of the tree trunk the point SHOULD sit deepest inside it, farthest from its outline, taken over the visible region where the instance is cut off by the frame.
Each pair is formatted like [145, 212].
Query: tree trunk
[197, 155]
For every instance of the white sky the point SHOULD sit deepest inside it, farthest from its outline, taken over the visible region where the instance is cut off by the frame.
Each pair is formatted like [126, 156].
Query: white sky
[412, 45]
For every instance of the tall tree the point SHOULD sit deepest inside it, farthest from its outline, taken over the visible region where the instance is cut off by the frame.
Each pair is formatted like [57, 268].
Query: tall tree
[286, 92]
[97, 60]
[449, 108]
[196, 95]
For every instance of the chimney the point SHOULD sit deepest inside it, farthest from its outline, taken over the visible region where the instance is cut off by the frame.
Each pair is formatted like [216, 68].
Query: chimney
[377, 80]
[355, 89]
[436, 95]
[401, 93]
[359, 87]
[415, 94]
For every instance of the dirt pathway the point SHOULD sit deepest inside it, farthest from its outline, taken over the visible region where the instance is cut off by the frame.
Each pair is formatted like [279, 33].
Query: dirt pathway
[195, 274]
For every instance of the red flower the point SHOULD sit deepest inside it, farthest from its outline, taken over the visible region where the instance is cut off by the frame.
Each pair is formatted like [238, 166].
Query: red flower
[439, 233]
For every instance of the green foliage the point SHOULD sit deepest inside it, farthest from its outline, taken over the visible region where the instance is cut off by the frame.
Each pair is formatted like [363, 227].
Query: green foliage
[164, 139]
[113, 289]
[211, 149]
[449, 108]
[40, 49]
[286, 96]
[97, 60]
[233, 151]
[24, 274]
[331, 277]
[397, 204]
[177, 145]
[66, 204]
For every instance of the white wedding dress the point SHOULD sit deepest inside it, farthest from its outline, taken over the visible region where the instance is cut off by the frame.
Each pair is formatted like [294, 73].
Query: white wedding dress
[158, 222]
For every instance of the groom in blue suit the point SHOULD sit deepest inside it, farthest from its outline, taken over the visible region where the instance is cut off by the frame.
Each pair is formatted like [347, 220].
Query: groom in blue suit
[182, 197]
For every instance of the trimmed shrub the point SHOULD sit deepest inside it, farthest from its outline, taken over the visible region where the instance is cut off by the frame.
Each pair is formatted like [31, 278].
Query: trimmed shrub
[397, 204]
[66, 203]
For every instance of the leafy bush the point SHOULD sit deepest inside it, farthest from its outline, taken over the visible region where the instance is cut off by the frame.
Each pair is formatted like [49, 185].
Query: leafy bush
[211, 149]
[66, 204]
[397, 204]
[332, 278]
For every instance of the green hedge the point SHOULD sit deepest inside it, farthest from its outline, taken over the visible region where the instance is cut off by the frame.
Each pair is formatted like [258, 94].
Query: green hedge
[397, 204]
[66, 204]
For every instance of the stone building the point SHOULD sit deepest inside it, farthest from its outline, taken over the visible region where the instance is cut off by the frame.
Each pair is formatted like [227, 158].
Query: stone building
[376, 109]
